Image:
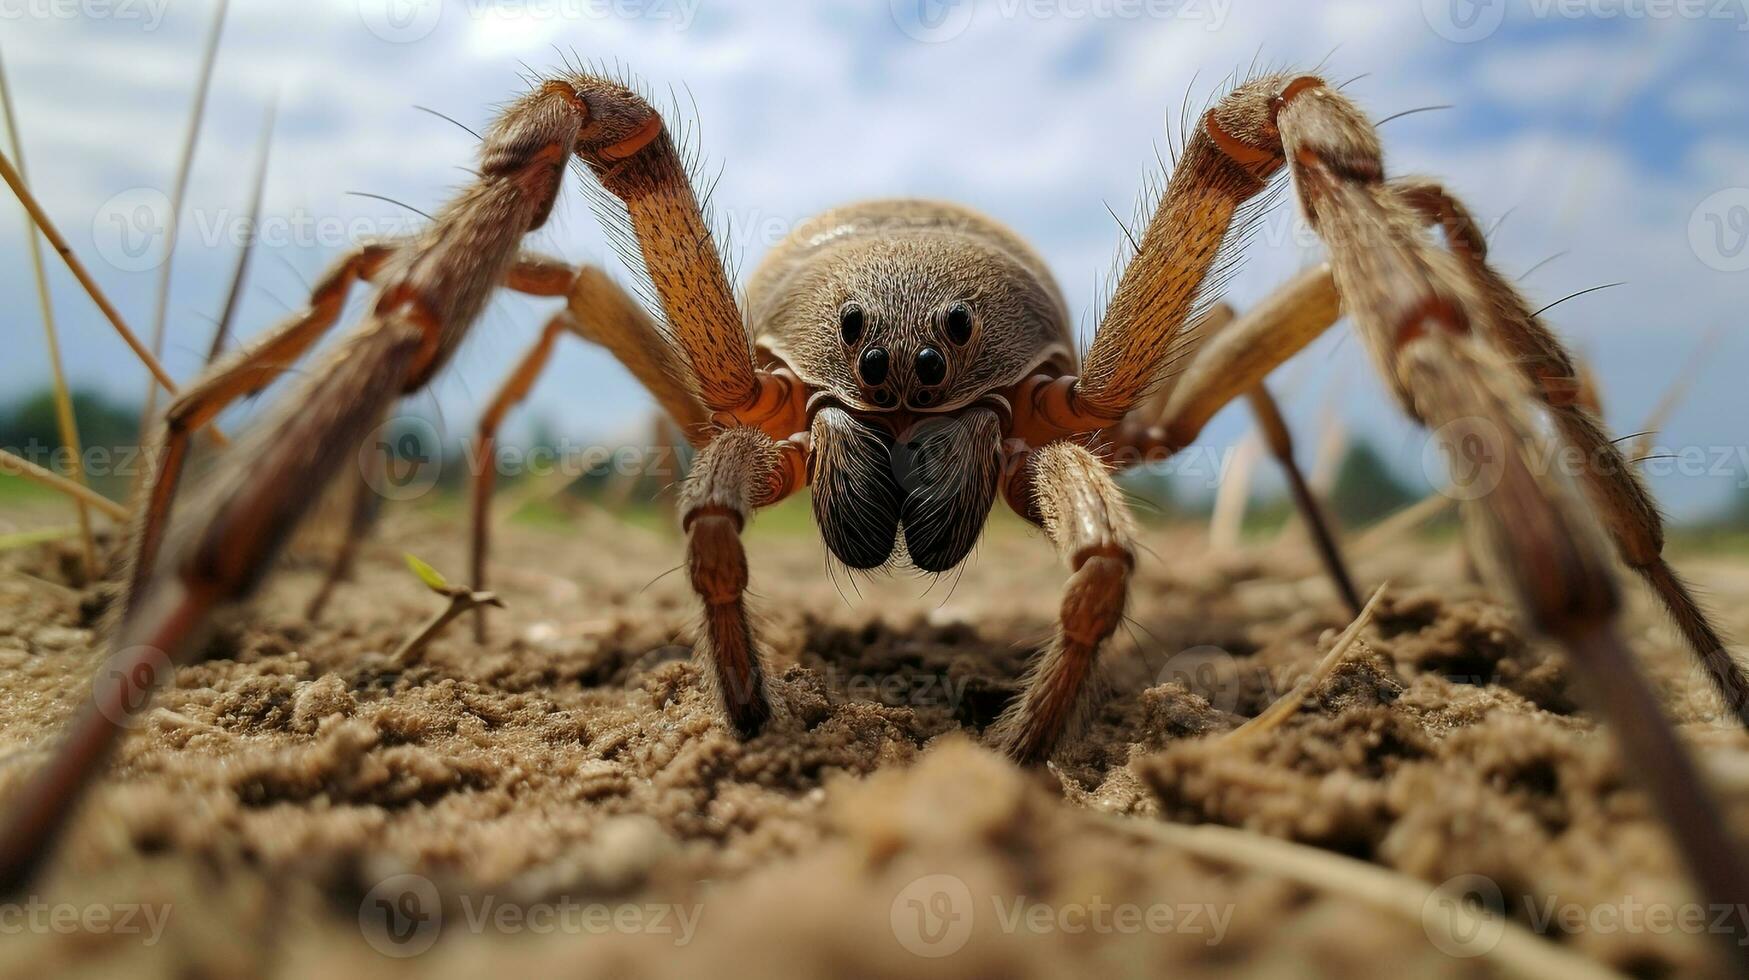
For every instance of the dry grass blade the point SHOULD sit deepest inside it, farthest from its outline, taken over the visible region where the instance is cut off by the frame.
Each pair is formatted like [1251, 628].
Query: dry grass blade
[1306, 504]
[1673, 395]
[235, 292]
[1401, 522]
[179, 190]
[1514, 950]
[1285, 706]
[15, 180]
[65, 421]
[25, 539]
[1227, 519]
[14, 465]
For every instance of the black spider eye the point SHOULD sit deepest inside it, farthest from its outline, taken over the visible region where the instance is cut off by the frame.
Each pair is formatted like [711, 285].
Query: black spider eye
[872, 365]
[850, 323]
[959, 324]
[931, 366]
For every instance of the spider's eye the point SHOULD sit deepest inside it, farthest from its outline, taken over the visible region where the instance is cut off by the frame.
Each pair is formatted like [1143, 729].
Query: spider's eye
[959, 324]
[931, 366]
[872, 365]
[850, 323]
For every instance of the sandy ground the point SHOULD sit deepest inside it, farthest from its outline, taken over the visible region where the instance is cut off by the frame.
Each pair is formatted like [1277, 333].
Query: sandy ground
[563, 799]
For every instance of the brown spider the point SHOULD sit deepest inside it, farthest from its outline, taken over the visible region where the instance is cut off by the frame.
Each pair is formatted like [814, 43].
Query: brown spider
[909, 361]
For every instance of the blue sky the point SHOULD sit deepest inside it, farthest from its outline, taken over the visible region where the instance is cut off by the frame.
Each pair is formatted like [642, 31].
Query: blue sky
[1608, 132]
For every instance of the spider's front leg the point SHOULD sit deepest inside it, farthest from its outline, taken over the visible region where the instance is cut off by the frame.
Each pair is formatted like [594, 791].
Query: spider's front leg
[757, 459]
[630, 151]
[741, 470]
[1069, 491]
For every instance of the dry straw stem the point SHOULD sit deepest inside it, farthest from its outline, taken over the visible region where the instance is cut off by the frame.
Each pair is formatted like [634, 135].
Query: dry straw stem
[1400, 522]
[14, 180]
[177, 192]
[64, 418]
[1227, 518]
[1285, 706]
[234, 293]
[1517, 952]
[14, 465]
[1679, 388]
[25, 539]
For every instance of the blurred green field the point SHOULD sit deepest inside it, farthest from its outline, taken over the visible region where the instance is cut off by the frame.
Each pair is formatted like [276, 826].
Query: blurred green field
[1364, 491]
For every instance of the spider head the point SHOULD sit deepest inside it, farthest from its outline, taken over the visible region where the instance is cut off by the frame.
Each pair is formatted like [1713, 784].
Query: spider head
[926, 322]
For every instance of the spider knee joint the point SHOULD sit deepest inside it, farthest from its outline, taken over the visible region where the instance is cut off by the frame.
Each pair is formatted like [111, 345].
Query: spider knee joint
[1093, 604]
[715, 559]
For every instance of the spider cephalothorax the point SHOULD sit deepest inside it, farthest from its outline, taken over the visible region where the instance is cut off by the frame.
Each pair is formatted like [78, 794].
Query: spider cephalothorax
[906, 316]
[902, 304]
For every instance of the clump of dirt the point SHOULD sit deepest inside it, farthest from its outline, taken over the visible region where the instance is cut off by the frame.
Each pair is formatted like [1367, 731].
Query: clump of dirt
[564, 797]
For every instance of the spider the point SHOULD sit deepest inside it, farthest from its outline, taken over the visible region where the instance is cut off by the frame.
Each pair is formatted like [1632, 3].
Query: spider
[910, 361]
